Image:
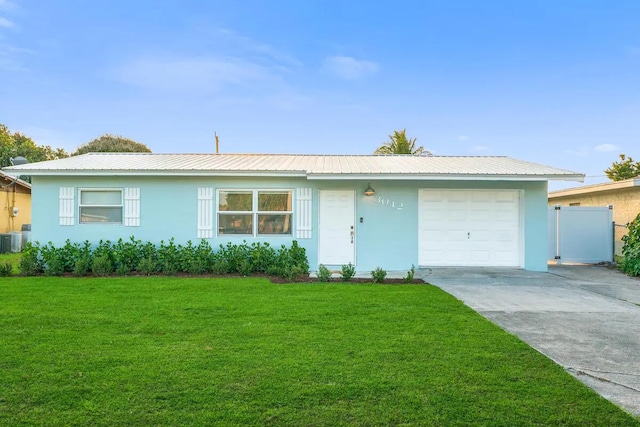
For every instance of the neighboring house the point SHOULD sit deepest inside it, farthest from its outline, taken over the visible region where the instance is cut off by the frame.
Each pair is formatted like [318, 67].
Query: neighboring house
[15, 203]
[387, 211]
[624, 196]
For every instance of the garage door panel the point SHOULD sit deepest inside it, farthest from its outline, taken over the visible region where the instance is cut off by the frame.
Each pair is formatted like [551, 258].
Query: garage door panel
[469, 227]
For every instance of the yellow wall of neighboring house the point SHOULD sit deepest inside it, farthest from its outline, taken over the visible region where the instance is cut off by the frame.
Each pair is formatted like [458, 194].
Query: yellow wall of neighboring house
[9, 199]
[625, 201]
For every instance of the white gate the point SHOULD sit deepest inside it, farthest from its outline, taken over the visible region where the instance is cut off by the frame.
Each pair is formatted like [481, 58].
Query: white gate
[580, 234]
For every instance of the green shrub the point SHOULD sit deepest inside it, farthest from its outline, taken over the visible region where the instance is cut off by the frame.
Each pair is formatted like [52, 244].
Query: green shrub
[54, 265]
[6, 269]
[30, 263]
[324, 274]
[378, 275]
[219, 265]
[290, 263]
[124, 257]
[127, 255]
[245, 267]
[262, 257]
[631, 249]
[169, 257]
[122, 270]
[347, 272]
[102, 265]
[81, 267]
[147, 266]
[411, 274]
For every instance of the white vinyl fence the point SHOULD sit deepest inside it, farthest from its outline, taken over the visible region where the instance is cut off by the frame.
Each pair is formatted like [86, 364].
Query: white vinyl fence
[581, 234]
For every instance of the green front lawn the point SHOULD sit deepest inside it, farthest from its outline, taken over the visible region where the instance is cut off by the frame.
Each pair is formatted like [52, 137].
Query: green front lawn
[175, 351]
[13, 259]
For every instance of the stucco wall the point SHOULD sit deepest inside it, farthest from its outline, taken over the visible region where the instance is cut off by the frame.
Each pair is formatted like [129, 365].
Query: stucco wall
[385, 237]
[8, 199]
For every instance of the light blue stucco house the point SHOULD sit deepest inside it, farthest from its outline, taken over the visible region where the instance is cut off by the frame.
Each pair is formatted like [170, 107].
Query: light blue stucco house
[369, 210]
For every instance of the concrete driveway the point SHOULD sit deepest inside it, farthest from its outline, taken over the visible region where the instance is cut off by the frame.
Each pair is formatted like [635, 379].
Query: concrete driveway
[585, 318]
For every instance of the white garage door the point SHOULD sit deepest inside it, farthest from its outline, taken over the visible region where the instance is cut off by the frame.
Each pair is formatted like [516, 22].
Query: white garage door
[469, 228]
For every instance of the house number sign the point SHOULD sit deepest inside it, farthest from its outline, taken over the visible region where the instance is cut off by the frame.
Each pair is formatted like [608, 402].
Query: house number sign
[390, 203]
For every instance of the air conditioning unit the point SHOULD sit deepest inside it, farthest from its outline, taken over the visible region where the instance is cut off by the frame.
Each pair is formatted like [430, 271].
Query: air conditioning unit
[5, 243]
[16, 241]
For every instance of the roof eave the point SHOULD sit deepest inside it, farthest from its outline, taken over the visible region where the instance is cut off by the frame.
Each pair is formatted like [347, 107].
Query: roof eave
[449, 177]
[596, 188]
[158, 173]
[301, 174]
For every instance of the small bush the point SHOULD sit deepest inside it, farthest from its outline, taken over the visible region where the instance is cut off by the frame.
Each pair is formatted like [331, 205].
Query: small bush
[378, 275]
[245, 267]
[631, 249]
[169, 257]
[411, 274]
[197, 266]
[81, 267]
[5, 269]
[102, 265]
[54, 265]
[347, 272]
[220, 265]
[147, 266]
[324, 274]
[292, 273]
[30, 264]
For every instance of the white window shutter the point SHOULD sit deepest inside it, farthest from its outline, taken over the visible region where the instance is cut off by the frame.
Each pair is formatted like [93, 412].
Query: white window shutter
[132, 207]
[304, 197]
[67, 205]
[205, 213]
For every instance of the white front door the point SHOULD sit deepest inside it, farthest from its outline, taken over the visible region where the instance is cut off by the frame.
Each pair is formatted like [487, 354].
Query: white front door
[336, 236]
[469, 228]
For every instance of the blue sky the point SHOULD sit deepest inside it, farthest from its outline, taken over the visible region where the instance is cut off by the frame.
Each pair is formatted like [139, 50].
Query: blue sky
[554, 82]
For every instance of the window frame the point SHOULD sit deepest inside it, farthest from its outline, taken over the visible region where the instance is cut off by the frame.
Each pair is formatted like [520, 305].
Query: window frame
[255, 213]
[105, 190]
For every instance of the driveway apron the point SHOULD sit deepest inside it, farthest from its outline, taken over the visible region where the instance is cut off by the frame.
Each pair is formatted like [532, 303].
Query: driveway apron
[585, 318]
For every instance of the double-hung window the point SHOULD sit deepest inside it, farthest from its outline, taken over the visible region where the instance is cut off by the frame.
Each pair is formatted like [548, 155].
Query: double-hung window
[100, 206]
[255, 212]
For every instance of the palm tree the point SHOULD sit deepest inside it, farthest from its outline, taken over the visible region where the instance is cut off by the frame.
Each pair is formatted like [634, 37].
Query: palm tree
[400, 144]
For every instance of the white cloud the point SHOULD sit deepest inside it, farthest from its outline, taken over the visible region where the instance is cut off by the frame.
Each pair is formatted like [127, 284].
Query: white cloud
[346, 67]
[192, 73]
[7, 5]
[261, 49]
[5, 23]
[606, 148]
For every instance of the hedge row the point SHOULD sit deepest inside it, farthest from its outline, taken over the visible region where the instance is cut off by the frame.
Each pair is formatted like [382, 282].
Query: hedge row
[135, 256]
[631, 249]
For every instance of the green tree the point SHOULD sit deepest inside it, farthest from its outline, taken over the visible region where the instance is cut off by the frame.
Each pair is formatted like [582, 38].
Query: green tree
[399, 144]
[624, 169]
[16, 144]
[112, 144]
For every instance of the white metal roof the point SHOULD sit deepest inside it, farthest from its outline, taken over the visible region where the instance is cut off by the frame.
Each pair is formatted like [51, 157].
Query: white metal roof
[309, 166]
